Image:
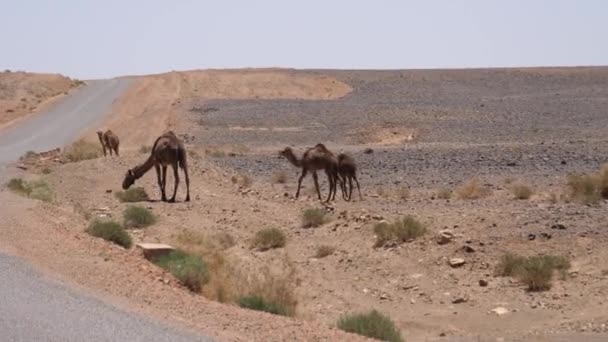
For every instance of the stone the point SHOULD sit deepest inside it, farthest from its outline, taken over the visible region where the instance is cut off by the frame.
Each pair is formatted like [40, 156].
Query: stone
[483, 282]
[460, 300]
[500, 311]
[368, 150]
[154, 250]
[456, 262]
[558, 226]
[444, 237]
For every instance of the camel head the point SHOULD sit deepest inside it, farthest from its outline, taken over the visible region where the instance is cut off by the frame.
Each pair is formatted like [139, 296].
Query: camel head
[100, 133]
[285, 152]
[129, 180]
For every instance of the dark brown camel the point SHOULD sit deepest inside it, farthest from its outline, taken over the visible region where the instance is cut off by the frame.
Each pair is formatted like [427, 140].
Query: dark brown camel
[347, 170]
[315, 159]
[109, 141]
[167, 150]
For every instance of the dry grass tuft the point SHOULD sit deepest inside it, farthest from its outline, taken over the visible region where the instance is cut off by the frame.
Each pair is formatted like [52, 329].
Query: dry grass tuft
[145, 149]
[324, 251]
[110, 231]
[133, 195]
[279, 177]
[521, 192]
[138, 217]
[313, 217]
[589, 189]
[82, 150]
[38, 189]
[536, 271]
[371, 324]
[471, 190]
[268, 238]
[190, 270]
[403, 193]
[444, 194]
[402, 230]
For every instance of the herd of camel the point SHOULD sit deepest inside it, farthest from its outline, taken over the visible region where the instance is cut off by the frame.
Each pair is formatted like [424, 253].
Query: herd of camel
[168, 149]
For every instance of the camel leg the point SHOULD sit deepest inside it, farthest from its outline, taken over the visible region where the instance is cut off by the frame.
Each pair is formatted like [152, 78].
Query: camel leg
[164, 196]
[104, 150]
[116, 150]
[159, 179]
[187, 183]
[304, 172]
[315, 178]
[331, 185]
[350, 184]
[342, 180]
[110, 149]
[176, 180]
[358, 187]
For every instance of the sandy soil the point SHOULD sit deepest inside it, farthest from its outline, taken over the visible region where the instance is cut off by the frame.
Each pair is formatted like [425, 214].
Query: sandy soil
[23, 93]
[429, 130]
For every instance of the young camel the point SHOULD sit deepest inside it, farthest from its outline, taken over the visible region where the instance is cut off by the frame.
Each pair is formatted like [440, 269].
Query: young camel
[315, 159]
[167, 150]
[347, 170]
[109, 141]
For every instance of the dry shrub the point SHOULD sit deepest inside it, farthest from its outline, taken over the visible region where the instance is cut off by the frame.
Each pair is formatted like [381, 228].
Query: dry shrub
[279, 177]
[371, 324]
[138, 217]
[145, 149]
[189, 269]
[132, 195]
[215, 153]
[444, 194]
[535, 271]
[403, 193]
[589, 189]
[242, 180]
[521, 192]
[324, 250]
[313, 217]
[402, 230]
[268, 238]
[38, 189]
[471, 190]
[82, 150]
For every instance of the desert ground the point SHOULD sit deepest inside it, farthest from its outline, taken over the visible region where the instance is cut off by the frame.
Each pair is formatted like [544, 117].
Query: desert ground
[416, 136]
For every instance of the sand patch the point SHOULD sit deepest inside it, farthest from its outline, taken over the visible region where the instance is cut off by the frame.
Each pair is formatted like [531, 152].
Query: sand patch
[377, 135]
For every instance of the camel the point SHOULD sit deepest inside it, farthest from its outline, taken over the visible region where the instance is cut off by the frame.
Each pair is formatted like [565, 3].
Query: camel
[167, 150]
[347, 170]
[315, 159]
[109, 141]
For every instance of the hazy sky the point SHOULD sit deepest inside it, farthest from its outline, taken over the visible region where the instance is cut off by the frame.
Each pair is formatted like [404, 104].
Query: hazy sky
[94, 39]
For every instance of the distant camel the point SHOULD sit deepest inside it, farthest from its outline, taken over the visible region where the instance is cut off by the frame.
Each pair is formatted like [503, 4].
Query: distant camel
[167, 150]
[347, 170]
[109, 141]
[315, 159]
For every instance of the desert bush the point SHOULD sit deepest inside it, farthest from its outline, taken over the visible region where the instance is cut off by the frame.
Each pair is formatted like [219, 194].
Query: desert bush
[535, 271]
[28, 155]
[82, 150]
[589, 189]
[18, 185]
[372, 324]
[245, 181]
[509, 264]
[38, 189]
[445, 194]
[275, 289]
[189, 269]
[324, 250]
[521, 192]
[279, 177]
[260, 304]
[215, 153]
[110, 231]
[138, 217]
[402, 230]
[145, 149]
[471, 190]
[403, 193]
[46, 170]
[132, 195]
[269, 238]
[313, 217]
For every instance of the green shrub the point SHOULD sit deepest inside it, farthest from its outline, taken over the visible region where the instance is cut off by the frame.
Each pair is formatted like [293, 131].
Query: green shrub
[402, 230]
[138, 217]
[372, 324]
[110, 231]
[269, 238]
[18, 185]
[535, 271]
[190, 270]
[509, 264]
[136, 194]
[82, 150]
[38, 189]
[260, 304]
[313, 217]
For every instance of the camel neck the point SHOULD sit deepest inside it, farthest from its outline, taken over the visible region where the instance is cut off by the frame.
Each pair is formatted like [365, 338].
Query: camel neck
[293, 159]
[141, 170]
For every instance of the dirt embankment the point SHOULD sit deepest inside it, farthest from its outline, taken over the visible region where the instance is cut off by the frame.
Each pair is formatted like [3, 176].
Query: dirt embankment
[152, 104]
[23, 93]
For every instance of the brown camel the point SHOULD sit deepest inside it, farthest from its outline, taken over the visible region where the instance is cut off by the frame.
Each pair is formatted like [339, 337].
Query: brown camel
[315, 159]
[167, 150]
[109, 141]
[347, 170]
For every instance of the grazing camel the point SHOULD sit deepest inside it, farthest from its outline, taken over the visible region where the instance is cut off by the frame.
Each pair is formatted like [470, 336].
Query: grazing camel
[167, 150]
[347, 170]
[109, 141]
[315, 159]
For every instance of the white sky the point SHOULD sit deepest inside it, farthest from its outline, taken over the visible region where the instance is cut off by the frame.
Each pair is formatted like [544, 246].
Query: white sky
[97, 39]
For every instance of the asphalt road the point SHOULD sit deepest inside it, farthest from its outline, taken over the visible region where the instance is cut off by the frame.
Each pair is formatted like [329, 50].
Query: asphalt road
[33, 307]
